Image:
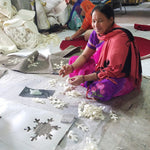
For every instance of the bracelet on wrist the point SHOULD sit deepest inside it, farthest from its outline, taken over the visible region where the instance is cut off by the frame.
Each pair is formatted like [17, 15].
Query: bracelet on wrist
[71, 38]
[72, 67]
[83, 79]
[97, 75]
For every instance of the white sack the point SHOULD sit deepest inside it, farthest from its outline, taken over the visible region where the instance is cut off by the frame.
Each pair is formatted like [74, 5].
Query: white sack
[22, 30]
[60, 12]
[64, 15]
[42, 21]
[50, 4]
[53, 20]
[6, 8]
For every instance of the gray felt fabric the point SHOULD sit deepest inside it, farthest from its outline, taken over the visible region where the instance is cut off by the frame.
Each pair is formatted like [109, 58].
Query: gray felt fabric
[59, 59]
[34, 63]
[37, 64]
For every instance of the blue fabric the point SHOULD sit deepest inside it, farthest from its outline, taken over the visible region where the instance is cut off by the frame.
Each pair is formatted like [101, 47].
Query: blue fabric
[76, 4]
[76, 22]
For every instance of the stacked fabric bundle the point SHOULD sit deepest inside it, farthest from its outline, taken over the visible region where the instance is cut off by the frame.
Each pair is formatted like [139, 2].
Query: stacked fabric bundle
[19, 30]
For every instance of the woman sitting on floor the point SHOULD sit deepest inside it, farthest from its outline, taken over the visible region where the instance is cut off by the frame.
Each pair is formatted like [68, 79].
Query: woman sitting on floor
[87, 7]
[115, 69]
[75, 19]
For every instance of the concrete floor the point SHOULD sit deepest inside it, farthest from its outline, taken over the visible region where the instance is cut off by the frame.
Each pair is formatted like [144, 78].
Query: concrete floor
[130, 132]
[139, 14]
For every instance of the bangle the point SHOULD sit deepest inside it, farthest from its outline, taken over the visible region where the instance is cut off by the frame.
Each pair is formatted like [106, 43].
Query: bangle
[72, 67]
[83, 78]
[71, 38]
[97, 75]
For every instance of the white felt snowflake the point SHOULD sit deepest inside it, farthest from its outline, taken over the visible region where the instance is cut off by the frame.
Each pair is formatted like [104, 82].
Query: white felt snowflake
[70, 90]
[71, 135]
[59, 65]
[90, 111]
[52, 82]
[38, 100]
[113, 116]
[67, 86]
[35, 64]
[57, 103]
[13, 61]
[31, 60]
[82, 127]
[73, 93]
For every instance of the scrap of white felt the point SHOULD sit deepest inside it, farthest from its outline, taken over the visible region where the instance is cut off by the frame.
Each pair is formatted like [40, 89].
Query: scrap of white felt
[35, 92]
[73, 136]
[90, 111]
[113, 116]
[56, 102]
[83, 127]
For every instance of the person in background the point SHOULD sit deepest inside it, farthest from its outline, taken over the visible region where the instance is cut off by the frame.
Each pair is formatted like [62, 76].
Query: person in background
[87, 7]
[70, 1]
[116, 69]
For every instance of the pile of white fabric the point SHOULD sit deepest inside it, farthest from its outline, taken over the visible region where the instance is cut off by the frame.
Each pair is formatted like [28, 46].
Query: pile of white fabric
[51, 12]
[18, 30]
[7, 11]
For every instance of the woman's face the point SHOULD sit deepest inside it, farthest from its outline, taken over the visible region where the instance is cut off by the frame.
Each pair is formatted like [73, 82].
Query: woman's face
[100, 23]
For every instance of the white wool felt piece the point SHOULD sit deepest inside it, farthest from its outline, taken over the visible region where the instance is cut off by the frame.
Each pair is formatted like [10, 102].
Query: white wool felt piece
[22, 30]
[60, 12]
[6, 44]
[63, 17]
[53, 20]
[50, 4]
[73, 136]
[6, 8]
[90, 111]
[2, 20]
[42, 21]
[57, 103]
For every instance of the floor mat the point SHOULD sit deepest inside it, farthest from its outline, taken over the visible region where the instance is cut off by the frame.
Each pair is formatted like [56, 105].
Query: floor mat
[144, 46]
[76, 42]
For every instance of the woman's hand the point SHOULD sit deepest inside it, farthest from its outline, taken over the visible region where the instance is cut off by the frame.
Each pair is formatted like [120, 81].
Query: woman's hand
[76, 80]
[68, 38]
[66, 70]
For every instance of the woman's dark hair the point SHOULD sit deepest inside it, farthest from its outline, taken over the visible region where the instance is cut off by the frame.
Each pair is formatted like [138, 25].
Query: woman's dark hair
[107, 10]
